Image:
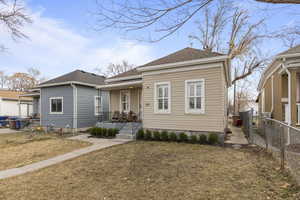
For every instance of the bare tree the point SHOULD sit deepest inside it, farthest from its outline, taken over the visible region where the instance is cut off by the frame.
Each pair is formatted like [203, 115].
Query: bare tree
[115, 69]
[3, 79]
[212, 27]
[36, 75]
[289, 35]
[13, 17]
[21, 82]
[280, 1]
[161, 17]
[238, 43]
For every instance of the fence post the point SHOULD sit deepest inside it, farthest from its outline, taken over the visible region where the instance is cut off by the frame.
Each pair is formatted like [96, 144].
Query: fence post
[264, 121]
[282, 146]
[250, 126]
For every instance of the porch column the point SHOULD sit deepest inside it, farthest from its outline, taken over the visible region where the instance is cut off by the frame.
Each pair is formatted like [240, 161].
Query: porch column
[293, 96]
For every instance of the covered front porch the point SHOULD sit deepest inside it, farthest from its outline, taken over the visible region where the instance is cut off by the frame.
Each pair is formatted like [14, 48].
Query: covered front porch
[290, 96]
[125, 101]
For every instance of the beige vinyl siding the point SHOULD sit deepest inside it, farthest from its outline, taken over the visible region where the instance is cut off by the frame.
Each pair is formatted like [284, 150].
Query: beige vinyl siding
[268, 95]
[212, 120]
[277, 111]
[115, 100]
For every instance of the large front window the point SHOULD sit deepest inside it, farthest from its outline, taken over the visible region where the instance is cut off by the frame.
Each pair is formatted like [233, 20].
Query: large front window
[56, 105]
[162, 97]
[194, 90]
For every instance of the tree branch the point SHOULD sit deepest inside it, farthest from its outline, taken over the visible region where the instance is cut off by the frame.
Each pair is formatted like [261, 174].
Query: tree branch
[280, 1]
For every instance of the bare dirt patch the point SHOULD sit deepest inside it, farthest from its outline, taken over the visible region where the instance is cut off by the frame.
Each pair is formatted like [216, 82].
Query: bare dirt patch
[19, 149]
[156, 170]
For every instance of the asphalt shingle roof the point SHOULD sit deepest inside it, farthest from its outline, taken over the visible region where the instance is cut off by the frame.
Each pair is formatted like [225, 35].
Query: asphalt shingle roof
[8, 94]
[295, 49]
[182, 55]
[132, 72]
[78, 76]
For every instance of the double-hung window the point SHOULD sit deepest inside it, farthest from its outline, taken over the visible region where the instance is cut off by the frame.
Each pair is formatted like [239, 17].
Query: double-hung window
[56, 105]
[194, 96]
[162, 95]
[98, 103]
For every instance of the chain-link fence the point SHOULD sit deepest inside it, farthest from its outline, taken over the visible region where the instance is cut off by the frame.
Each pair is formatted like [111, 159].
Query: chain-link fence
[282, 140]
[247, 124]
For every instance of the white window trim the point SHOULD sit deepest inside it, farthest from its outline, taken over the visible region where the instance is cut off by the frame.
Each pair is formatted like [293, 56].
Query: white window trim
[121, 108]
[195, 111]
[156, 110]
[298, 113]
[101, 105]
[62, 105]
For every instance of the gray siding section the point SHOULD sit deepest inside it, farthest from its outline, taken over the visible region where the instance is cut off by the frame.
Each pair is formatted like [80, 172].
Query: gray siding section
[86, 106]
[36, 105]
[58, 120]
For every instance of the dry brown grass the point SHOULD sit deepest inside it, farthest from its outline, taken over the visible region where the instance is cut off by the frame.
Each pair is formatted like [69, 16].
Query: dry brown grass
[154, 170]
[21, 149]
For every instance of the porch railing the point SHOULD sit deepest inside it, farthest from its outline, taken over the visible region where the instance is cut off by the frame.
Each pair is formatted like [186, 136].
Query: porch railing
[120, 116]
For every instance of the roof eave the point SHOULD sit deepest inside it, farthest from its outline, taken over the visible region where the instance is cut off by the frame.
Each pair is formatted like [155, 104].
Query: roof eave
[66, 83]
[125, 78]
[288, 55]
[184, 63]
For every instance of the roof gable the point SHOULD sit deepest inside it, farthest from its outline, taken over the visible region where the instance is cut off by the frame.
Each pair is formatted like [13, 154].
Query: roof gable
[182, 55]
[185, 54]
[78, 76]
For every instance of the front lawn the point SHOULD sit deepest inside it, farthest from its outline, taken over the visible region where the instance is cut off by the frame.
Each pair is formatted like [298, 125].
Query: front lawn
[156, 170]
[19, 149]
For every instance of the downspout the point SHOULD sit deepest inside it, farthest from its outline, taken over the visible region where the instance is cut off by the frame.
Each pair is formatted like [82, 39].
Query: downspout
[74, 107]
[289, 90]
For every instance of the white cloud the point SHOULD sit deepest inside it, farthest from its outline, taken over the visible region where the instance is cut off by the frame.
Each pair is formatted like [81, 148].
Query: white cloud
[55, 49]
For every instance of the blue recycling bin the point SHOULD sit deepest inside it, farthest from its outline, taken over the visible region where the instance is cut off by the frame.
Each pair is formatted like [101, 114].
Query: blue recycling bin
[18, 124]
[3, 121]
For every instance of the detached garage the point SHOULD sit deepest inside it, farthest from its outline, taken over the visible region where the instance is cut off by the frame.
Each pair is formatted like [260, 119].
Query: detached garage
[12, 105]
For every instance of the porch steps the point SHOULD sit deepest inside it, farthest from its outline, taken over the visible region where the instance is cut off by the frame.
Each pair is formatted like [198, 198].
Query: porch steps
[126, 130]
[129, 130]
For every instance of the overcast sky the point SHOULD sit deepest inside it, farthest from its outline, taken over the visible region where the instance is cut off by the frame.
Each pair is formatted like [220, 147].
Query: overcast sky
[62, 38]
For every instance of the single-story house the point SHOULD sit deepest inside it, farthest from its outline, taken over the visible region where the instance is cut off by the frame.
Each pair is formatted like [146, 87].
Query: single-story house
[279, 88]
[71, 100]
[183, 91]
[12, 104]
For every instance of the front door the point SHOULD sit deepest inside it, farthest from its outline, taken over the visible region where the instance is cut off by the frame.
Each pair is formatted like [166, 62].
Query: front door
[125, 101]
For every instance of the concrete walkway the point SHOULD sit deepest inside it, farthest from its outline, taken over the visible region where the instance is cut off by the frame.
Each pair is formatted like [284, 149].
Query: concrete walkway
[7, 131]
[97, 144]
[237, 137]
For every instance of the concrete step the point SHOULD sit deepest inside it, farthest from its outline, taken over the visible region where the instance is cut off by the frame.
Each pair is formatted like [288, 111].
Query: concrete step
[125, 136]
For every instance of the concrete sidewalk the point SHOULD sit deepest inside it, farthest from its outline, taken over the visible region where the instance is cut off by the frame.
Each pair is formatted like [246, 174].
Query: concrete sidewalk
[237, 137]
[8, 131]
[97, 144]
